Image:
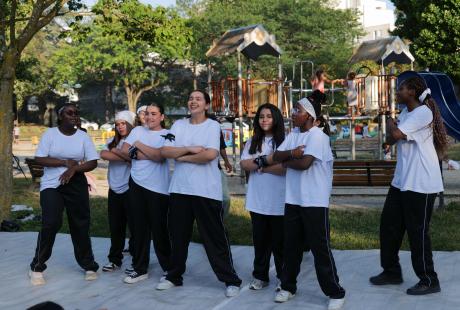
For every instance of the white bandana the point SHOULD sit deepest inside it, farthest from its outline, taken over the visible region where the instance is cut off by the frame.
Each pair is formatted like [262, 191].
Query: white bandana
[127, 116]
[306, 104]
[141, 108]
[425, 93]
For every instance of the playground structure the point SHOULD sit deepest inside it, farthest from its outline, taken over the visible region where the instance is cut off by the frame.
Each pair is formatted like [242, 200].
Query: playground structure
[237, 99]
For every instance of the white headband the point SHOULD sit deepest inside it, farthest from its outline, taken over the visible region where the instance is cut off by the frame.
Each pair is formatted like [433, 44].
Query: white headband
[425, 93]
[306, 104]
[141, 108]
[127, 116]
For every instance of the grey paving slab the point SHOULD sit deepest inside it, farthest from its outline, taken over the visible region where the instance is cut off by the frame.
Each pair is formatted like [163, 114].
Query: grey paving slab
[201, 290]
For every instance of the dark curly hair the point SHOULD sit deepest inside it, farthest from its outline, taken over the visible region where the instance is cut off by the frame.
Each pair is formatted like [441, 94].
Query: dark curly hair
[439, 130]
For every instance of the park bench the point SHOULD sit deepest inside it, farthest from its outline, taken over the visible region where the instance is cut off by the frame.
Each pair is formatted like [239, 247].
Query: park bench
[363, 173]
[361, 145]
[36, 170]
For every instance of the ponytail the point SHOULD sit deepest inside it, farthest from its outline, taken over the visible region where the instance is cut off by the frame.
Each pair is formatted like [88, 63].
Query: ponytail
[439, 130]
[423, 94]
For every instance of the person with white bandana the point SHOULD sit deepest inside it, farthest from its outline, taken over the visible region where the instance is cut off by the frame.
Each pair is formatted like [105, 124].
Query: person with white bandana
[421, 140]
[118, 198]
[307, 155]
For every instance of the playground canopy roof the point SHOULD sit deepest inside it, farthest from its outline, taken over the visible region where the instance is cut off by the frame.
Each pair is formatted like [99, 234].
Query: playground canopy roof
[386, 50]
[252, 41]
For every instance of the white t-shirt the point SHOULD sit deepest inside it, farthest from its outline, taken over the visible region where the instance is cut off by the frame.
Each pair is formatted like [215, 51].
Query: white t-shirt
[266, 191]
[202, 180]
[311, 187]
[417, 166]
[149, 174]
[118, 172]
[55, 144]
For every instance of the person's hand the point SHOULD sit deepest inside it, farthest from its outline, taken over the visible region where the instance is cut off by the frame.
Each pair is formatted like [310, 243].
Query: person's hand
[195, 149]
[67, 175]
[297, 153]
[181, 159]
[228, 166]
[69, 163]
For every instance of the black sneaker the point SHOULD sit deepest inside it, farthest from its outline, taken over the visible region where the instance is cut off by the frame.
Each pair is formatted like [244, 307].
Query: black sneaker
[126, 252]
[385, 279]
[135, 277]
[423, 289]
[110, 267]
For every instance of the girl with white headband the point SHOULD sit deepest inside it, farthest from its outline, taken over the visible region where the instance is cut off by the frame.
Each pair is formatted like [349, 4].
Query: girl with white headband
[118, 200]
[148, 192]
[421, 141]
[306, 153]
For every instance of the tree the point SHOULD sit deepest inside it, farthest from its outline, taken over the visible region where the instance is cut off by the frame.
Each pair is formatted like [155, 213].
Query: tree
[304, 29]
[128, 43]
[19, 23]
[433, 26]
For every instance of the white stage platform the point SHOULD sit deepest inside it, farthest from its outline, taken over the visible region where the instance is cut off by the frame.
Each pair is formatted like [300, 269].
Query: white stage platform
[66, 286]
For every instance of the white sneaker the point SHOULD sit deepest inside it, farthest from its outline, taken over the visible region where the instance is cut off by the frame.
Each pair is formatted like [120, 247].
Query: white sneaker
[164, 284]
[335, 304]
[135, 277]
[90, 275]
[283, 296]
[257, 284]
[232, 291]
[36, 278]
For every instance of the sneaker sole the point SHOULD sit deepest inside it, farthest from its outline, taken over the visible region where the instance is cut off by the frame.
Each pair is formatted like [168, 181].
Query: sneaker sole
[391, 282]
[35, 281]
[430, 291]
[281, 301]
[91, 277]
[135, 280]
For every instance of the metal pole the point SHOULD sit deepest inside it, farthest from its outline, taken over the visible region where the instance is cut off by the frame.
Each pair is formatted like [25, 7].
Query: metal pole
[392, 97]
[301, 80]
[382, 134]
[240, 107]
[280, 84]
[210, 84]
[353, 139]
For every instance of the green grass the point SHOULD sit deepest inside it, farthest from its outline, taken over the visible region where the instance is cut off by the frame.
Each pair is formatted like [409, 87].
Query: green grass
[351, 229]
[454, 152]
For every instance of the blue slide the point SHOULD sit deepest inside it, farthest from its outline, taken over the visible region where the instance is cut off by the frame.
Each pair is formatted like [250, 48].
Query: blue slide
[443, 92]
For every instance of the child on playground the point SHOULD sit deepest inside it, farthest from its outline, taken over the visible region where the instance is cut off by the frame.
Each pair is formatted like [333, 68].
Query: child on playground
[118, 198]
[386, 151]
[265, 195]
[352, 94]
[307, 155]
[317, 83]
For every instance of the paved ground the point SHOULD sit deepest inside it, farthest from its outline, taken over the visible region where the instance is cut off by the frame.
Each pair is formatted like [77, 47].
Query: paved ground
[201, 290]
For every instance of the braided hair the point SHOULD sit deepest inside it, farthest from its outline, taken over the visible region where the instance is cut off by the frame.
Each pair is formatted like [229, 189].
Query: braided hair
[439, 131]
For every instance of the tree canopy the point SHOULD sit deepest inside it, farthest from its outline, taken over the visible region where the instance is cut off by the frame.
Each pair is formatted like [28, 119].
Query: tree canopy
[433, 26]
[129, 43]
[304, 29]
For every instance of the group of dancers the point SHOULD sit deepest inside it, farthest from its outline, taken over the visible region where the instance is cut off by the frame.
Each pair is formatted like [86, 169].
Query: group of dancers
[289, 187]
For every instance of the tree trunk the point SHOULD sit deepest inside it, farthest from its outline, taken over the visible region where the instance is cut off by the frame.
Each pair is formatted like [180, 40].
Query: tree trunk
[131, 99]
[7, 74]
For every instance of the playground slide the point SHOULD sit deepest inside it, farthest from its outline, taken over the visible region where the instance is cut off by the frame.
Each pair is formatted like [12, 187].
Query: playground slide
[443, 92]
